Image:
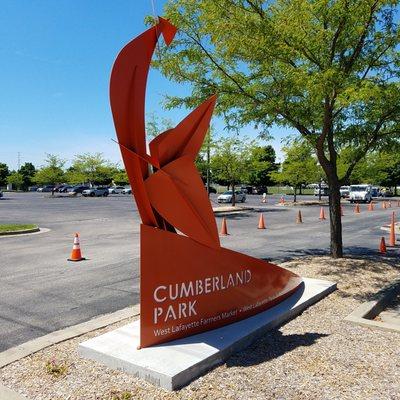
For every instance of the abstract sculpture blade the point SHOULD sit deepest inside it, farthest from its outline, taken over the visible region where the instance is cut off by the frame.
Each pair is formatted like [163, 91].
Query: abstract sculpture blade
[189, 283]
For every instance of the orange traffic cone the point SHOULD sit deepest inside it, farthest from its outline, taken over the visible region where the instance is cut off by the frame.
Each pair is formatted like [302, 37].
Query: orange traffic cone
[76, 250]
[392, 237]
[299, 219]
[382, 246]
[322, 213]
[261, 224]
[384, 205]
[389, 204]
[282, 200]
[371, 206]
[224, 229]
[398, 203]
[357, 209]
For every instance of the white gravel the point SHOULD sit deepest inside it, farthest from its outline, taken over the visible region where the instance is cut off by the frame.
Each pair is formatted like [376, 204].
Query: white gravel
[315, 356]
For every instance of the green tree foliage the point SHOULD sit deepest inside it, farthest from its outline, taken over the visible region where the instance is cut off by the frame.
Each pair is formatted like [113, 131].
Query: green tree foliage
[52, 172]
[92, 169]
[28, 171]
[263, 164]
[299, 168]
[231, 161]
[4, 172]
[16, 180]
[380, 168]
[156, 125]
[328, 69]
[120, 177]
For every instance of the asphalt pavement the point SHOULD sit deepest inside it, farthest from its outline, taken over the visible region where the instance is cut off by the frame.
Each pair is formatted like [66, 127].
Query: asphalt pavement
[40, 291]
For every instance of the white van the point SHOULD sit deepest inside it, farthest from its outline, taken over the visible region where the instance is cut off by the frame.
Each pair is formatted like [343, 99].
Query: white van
[360, 193]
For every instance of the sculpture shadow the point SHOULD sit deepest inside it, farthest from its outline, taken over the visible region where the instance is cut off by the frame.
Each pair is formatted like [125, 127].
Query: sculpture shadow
[273, 345]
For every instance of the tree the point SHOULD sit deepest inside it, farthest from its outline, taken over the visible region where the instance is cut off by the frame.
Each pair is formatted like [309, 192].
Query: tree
[91, 168]
[299, 167]
[52, 172]
[327, 69]
[263, 163]
[28, 171]
[156, 125]
[16, 180]
[4, 172]
[120, 177]
[230, 162]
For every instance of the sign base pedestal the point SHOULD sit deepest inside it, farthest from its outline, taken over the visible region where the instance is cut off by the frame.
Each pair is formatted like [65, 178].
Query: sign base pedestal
[175, 364]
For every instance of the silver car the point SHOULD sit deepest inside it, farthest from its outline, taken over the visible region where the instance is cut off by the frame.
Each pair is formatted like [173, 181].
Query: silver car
[116, 189]
[227, 197]
[99, 191]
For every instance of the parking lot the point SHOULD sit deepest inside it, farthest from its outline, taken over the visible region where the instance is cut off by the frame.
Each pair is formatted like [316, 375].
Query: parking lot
[40, 291]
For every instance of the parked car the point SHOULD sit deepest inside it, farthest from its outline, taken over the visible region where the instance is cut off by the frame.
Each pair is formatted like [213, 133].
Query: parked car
[227, 197]
[64, 188]
[77, 189]
[344, 191]
[374, 191]
[360, 193]
[211, 189]
[95, 191]
[33, 188]
[324, 190]
[385, 192]
[260, 190]
[127, 190]
[115, 189]
[47, 188]
[1, 193]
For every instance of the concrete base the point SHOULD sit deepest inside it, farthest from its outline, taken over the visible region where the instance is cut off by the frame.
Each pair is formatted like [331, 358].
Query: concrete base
[175, 364]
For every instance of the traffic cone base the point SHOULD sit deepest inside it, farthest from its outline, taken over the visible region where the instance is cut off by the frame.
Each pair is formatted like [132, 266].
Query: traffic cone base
[76, 254]
[382, 246]
[261, 224]
[224, 228]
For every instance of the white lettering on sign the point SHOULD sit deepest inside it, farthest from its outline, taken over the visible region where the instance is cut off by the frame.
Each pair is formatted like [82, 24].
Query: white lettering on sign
[174, 311]
[198, 287]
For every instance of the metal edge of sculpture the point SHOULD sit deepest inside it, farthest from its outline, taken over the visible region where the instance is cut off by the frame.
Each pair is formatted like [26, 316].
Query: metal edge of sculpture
[189, 283]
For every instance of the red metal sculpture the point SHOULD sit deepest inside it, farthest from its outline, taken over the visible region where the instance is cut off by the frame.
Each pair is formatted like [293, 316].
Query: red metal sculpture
[189, 283]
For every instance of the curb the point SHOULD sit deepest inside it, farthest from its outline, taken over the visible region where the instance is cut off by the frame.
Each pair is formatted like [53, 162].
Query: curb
[25, 349]
[20, 232]
[7, 394]
[364, 314]
[231, 210]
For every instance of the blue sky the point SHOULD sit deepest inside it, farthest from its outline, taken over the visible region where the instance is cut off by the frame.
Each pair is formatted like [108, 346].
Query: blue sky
[56, 57]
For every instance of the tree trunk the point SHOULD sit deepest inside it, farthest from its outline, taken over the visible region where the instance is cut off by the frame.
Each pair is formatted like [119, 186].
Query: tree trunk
[295, 194]
[300, 187]
[319, 191]
[335, 218]
[233, 195]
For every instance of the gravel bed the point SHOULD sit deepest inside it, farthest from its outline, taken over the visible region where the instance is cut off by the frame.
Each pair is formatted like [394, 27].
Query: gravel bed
[315, 356]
